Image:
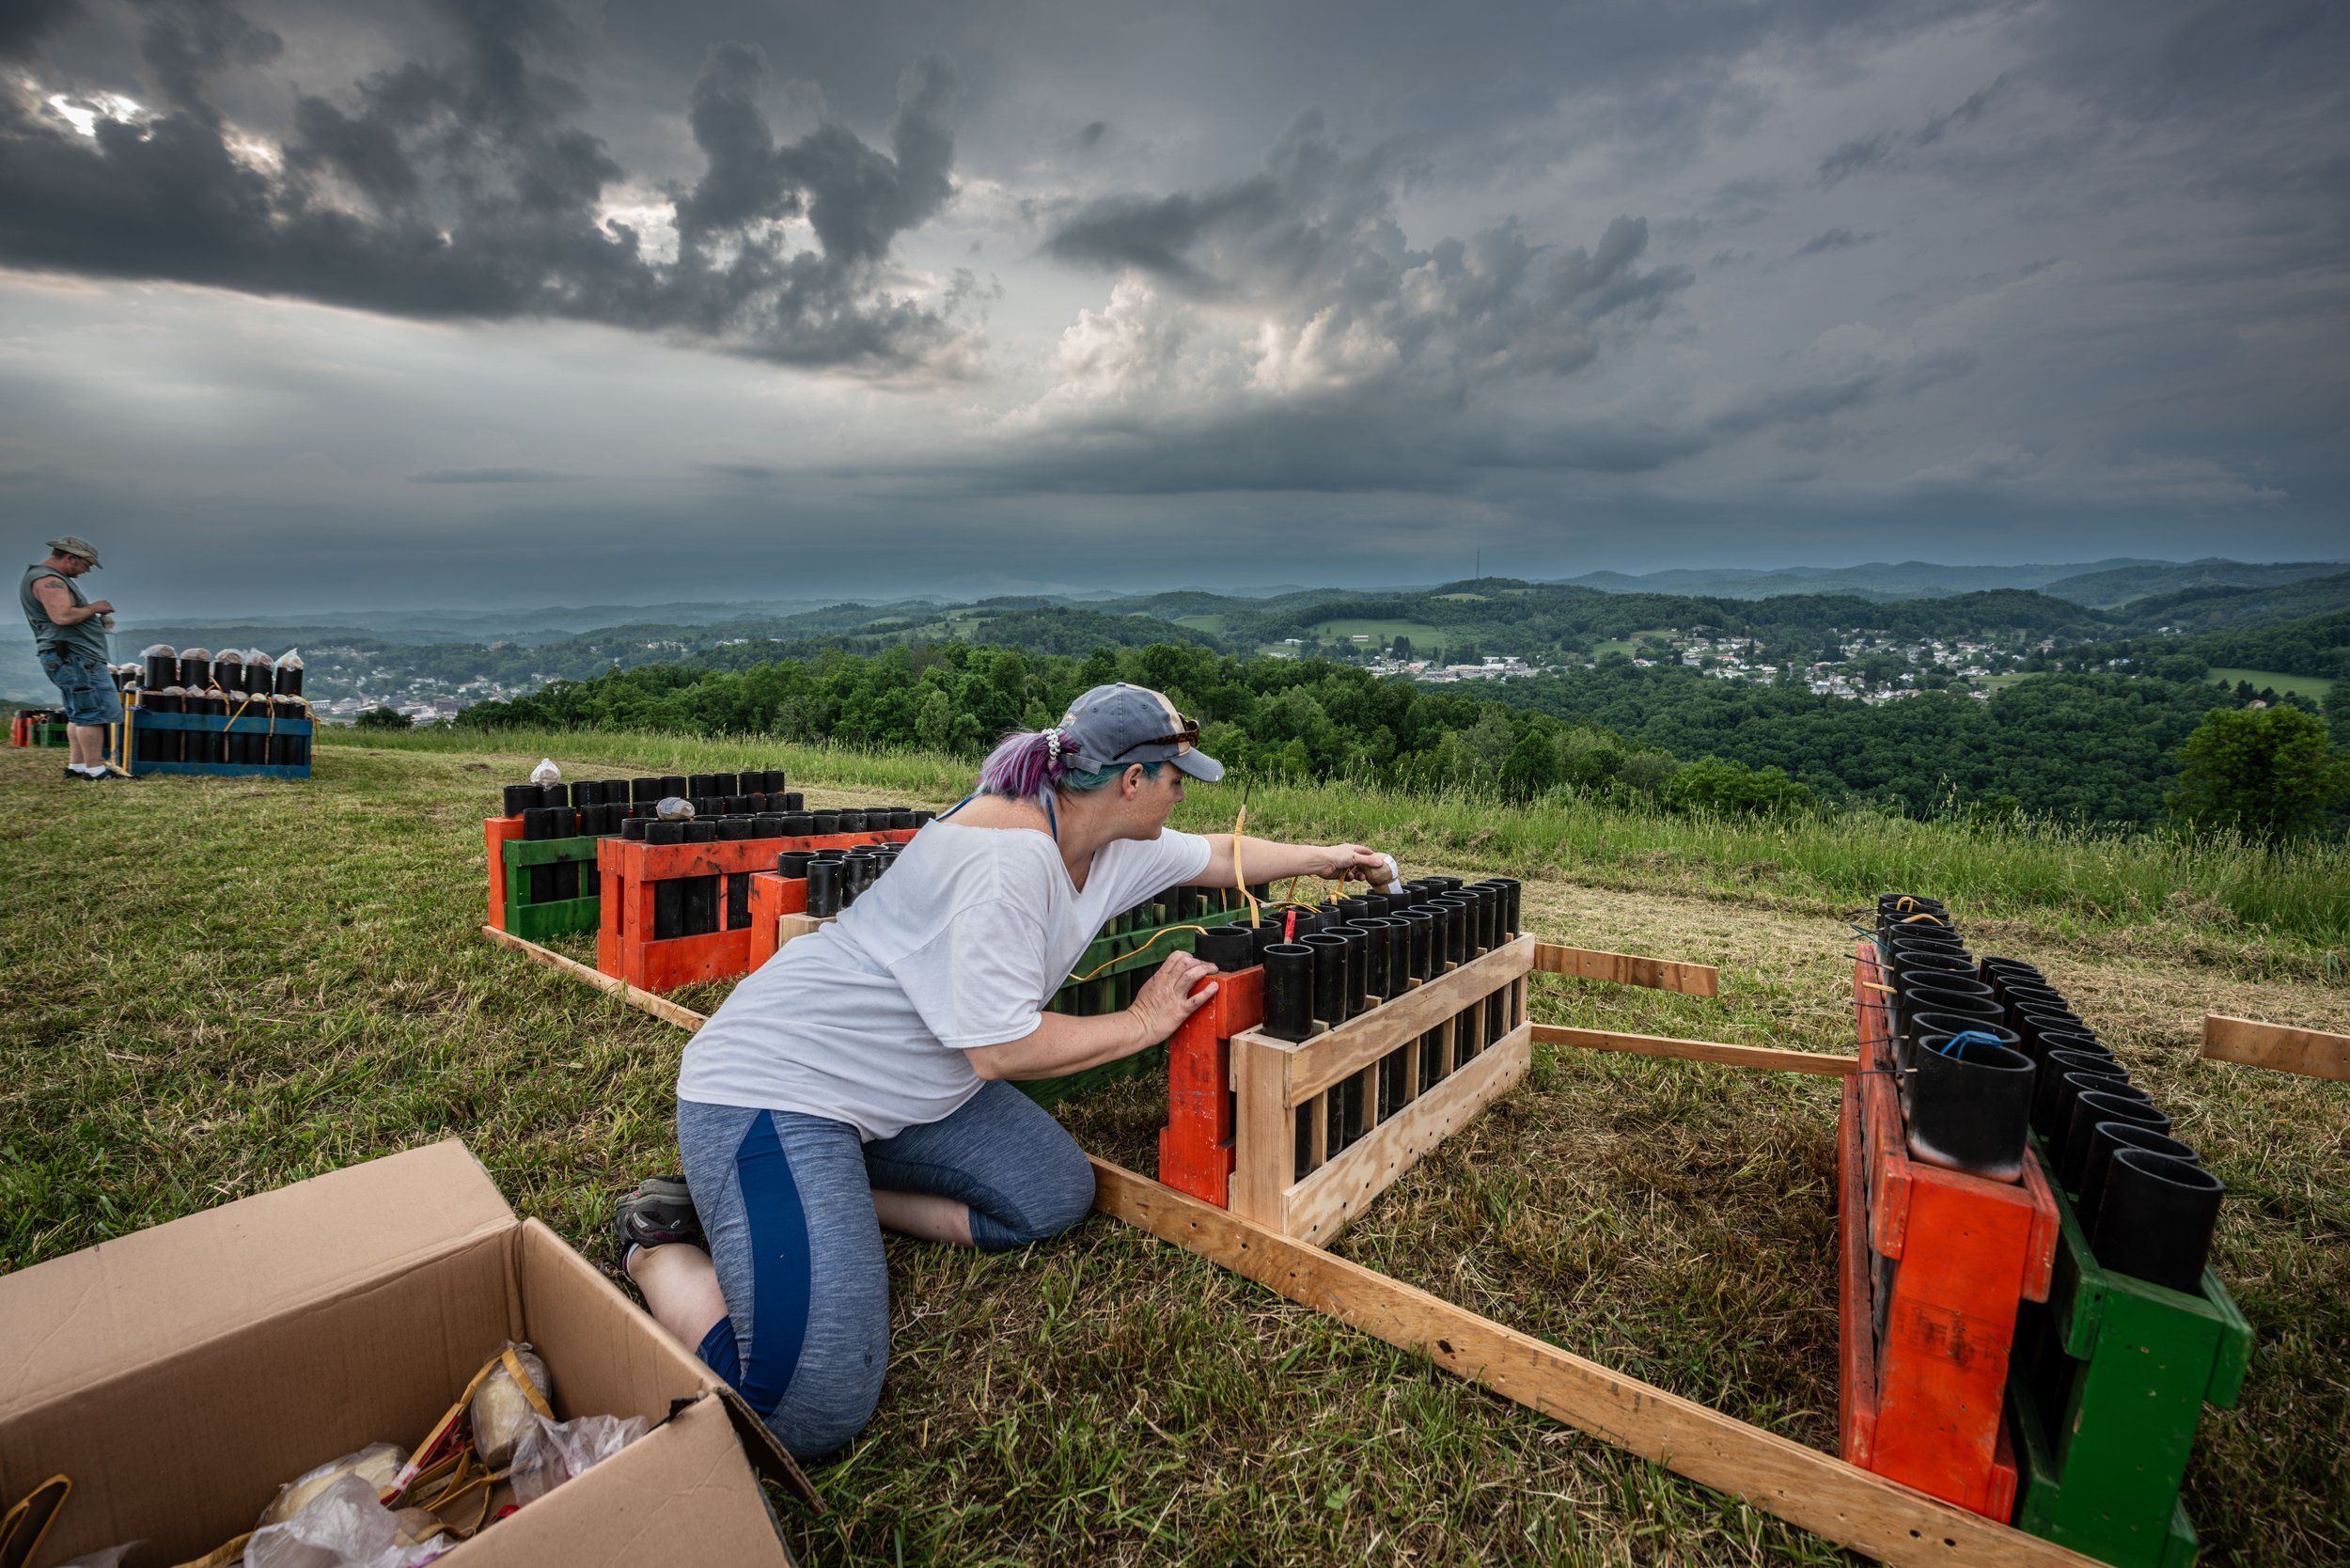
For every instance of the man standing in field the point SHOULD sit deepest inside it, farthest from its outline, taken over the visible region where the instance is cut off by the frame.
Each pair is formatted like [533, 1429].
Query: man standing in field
[69, 634]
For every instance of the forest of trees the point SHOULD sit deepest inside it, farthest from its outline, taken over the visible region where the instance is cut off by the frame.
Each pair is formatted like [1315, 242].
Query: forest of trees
[2084, 747]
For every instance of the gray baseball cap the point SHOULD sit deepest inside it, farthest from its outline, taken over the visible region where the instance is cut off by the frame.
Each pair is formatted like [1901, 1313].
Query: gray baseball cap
[1113, 725]
[73, 546]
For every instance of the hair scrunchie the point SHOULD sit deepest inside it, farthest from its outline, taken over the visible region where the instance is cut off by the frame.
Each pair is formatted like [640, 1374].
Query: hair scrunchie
[1053, 743]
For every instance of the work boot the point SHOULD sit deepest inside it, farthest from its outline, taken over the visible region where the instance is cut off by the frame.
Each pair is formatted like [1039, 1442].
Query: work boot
[658, 1213]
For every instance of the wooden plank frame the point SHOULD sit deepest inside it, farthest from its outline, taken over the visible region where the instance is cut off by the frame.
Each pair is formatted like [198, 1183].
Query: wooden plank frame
[660, 1007]
[2311, 1053]
[1814, 1491]
[1829, 1063]
[1657, 974]
[1275, 1079]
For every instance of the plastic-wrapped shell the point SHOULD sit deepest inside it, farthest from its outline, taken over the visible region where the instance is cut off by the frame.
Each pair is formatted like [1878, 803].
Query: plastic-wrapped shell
[162, 665]
[501, 1410]
[377, 1464]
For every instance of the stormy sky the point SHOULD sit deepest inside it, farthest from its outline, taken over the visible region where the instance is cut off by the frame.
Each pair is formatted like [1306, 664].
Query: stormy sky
[482, 302]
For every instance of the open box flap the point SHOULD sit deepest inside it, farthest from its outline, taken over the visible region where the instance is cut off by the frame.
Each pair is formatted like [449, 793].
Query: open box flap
[111, 1308]
[767, 1454]
[681, 1496]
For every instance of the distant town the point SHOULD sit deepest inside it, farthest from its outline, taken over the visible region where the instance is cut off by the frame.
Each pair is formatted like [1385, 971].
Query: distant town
[1866, 668]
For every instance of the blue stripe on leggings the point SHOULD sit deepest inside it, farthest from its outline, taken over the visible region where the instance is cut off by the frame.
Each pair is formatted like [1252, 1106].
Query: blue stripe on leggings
[780, 1274]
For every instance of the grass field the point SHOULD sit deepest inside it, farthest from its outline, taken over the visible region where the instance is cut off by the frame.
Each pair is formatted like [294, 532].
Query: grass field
[1631, 645]
[2316, 686]
[1384, 632]
[222, 985]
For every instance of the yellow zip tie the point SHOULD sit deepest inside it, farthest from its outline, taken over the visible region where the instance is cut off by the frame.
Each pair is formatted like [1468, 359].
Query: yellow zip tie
[1240, 878]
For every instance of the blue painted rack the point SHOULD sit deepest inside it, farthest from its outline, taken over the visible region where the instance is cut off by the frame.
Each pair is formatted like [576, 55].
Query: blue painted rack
[138, 719]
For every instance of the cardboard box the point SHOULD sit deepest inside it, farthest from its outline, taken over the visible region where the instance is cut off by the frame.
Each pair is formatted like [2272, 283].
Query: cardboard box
[182, 1374]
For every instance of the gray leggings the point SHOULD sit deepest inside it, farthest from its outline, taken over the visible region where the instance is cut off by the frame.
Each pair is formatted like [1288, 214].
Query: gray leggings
[787, 1202]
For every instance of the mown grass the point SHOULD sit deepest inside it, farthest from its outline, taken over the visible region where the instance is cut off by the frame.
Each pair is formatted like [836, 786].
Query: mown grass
[221, 986]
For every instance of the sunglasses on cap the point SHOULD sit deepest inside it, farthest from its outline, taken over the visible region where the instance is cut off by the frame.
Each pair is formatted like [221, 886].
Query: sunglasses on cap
[1185, 741]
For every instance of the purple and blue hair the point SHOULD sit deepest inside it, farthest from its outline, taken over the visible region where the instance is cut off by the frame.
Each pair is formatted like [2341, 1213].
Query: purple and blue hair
[1026, 764]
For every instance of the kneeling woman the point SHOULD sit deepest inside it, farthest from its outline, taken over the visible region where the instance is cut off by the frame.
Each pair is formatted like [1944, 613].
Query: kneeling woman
[858, 1079]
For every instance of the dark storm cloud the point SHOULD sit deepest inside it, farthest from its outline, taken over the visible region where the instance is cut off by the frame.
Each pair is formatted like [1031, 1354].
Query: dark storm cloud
[467, 186]
[1152, 234]
[1479, 291]
[23, 22]
[1376, 364]
[1317, 230]
[1853, 156]
[1867, 153]
[1833, 239]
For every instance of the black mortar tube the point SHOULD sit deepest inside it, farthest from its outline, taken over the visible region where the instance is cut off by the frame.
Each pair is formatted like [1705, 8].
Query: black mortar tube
[2109, 1138]
[2091, 1108]
[1380, 933]
[2155, 1218]
[1969, 1105]
[1357, 962]
[1228, 947]
[2046, 1106]
[1419, 929]
[824, 888]
[1330, 979]
[1288, 990]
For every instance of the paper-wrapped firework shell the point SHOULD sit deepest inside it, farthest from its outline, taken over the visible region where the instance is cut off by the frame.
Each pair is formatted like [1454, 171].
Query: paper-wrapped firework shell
[501, 1410]
[376, 1463]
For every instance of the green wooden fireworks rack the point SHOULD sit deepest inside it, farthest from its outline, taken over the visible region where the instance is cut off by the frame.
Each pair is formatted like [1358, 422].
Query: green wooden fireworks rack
[2114, 1374]
[1116, 963]
[533, 909]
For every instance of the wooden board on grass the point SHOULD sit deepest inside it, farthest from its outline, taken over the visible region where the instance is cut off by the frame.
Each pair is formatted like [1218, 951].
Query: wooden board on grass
[1809, 1489]
[1658, 974]
[2311, 1053]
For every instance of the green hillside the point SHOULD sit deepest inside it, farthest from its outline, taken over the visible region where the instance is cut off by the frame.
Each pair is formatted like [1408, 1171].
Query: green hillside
[2215, 609]
[2125, 585]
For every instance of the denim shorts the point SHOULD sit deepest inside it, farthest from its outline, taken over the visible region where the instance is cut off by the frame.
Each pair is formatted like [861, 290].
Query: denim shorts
[89, 686]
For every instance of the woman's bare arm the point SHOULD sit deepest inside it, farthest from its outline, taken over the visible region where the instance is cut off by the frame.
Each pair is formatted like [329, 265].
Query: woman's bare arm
[1265, 861]
[1060, 1044]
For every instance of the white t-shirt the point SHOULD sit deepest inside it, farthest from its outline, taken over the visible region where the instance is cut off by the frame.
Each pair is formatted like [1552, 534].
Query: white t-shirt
[960, 944]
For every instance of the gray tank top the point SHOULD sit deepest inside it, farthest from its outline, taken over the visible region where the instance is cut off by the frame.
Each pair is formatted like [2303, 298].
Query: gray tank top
[83, 639]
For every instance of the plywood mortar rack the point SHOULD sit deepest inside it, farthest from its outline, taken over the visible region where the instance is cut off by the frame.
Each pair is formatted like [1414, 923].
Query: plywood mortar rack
[1258, 1235]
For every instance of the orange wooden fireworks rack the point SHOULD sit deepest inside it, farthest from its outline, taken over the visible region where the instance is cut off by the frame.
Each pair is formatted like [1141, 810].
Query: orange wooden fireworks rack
[1936, 1264]
[627, 947]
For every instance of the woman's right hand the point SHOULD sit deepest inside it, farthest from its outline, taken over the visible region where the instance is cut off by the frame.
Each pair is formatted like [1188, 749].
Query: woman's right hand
[1166, 1000]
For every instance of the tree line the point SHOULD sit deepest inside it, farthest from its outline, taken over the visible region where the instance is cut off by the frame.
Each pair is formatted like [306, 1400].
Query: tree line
[2090, 748]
